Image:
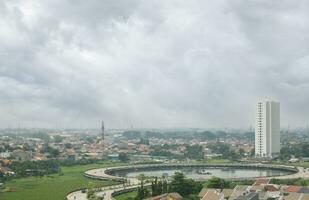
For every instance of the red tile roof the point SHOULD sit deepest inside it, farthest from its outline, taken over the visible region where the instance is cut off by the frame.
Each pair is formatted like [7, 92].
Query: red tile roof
[271, 188]
[262, 181]
[293, 188]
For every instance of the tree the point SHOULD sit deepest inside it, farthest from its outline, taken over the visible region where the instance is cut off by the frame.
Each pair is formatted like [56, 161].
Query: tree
[184, 186]
[144, 141]
[233, 155]
[220, 148]
[241, 151]
[53, 153]
[194, 152]
[58, 139]
[132, 134]
[217, 183]
[90, 191]
[252, 152]
[29, 168]
[123, 157]
[142, 192]
[207, 135]
[141, 177]
[164, 186]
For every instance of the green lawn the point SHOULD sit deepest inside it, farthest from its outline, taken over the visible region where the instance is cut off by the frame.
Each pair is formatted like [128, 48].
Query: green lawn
[53, 187]
[126, 195]
[301, 164]
[297, 164]
[216, 161]
[219, 161]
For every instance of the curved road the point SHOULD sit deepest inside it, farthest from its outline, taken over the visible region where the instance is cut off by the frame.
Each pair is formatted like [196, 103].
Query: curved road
[107, 192]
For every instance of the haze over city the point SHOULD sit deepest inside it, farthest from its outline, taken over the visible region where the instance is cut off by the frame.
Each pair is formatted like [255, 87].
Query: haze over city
[154, 100]
[151, 64]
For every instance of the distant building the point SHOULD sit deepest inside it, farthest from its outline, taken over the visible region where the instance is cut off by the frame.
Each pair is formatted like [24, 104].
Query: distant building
[113, 157]
[5, 154]
[20, 155]
[267, 128]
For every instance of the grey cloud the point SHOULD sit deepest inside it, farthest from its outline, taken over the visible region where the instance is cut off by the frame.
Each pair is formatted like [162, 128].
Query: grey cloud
[151, 63]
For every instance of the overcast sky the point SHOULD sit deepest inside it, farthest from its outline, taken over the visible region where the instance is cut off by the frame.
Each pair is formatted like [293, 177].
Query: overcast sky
[152, 63]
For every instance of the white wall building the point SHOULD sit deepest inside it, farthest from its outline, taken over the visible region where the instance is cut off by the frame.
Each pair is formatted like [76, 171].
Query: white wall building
[267, 128]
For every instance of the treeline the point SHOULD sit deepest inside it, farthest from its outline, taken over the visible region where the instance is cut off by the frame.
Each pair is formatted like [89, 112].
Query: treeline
[185, 187]
[225, 149]
[35, 168]
[205, 135]
[295, 181]
[224, 184]
[196, 151]
[227, 152]
[159, 187]
[300, 150]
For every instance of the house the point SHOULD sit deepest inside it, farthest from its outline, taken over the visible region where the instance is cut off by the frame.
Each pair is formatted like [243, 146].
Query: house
[305, 197]
[227, 193]
[261, 181]
[20, 155]
[5, 154]
[292, 196]
[213, 195]
[249, 196]
[113, 157]
[204, 191]
[304, 190]
[272, 191]
[238, 191]
[297, 189]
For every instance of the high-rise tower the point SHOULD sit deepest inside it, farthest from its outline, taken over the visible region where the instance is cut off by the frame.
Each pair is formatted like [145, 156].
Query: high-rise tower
[267, 128]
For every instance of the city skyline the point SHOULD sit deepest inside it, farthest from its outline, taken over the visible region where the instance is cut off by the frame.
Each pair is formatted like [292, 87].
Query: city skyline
[154, 100]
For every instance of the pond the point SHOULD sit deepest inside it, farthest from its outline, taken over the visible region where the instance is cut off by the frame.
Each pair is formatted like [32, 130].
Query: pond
[204, 172]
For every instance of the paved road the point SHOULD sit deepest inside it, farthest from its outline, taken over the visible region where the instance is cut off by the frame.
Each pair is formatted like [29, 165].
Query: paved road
[107, 191]
[302, 173]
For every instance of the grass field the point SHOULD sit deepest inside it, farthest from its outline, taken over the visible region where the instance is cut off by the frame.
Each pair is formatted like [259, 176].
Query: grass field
[216, 161]
[53, 187]
[126, 195]
[300, 164]
[296, 164]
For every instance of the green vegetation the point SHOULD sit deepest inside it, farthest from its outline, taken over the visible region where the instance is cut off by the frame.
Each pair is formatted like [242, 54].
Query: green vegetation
[296, 181]
[224, 149]
[125, 196]
[300, 164]
[164, 153]
[53, 187]
[159, 187]
[123, 157]
[223, 184]
[298, 150]
[188, 188]
[35, 168]
[194, 152]
[296, 164]
[184, 186]
[219, 161]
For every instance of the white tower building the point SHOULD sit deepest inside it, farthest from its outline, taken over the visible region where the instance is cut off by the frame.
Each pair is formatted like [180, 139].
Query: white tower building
[267, 128]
